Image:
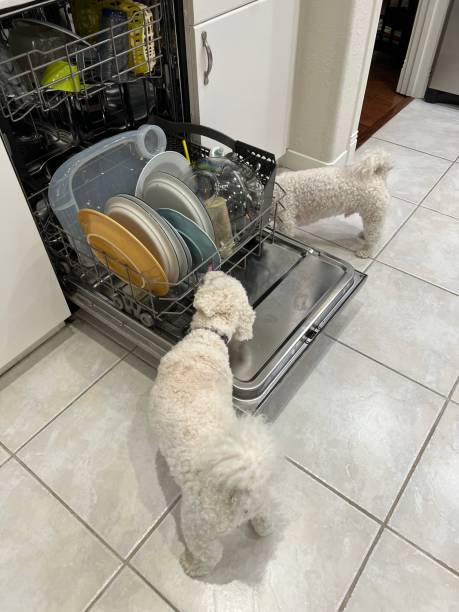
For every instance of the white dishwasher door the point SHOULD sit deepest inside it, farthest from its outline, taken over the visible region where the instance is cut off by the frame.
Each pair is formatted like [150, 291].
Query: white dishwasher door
[32, 304]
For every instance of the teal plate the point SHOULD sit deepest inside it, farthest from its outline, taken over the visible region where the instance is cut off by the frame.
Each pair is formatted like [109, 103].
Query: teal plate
[202, 248]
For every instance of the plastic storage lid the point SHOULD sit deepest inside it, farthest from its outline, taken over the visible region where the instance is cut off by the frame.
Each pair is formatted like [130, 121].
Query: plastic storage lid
[149, 140]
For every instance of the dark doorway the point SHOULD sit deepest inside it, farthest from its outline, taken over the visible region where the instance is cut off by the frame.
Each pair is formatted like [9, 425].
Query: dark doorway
[381, 101]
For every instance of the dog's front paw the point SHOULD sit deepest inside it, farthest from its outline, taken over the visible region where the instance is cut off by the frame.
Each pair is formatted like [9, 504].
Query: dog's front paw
[194, 567]
[363, 253]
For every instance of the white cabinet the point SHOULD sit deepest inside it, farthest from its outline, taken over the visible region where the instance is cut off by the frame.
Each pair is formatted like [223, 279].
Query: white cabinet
[32, 304]
[248, 91]
[197, 11]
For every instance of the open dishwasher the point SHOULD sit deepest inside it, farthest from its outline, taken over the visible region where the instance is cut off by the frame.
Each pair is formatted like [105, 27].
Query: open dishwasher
[105, 86]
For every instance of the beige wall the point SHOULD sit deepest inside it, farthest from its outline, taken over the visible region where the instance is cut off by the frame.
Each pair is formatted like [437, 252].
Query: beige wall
[335, 43]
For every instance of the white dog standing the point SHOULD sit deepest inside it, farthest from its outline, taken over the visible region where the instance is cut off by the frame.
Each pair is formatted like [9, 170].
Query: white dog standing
[325, 192]
[223, 463]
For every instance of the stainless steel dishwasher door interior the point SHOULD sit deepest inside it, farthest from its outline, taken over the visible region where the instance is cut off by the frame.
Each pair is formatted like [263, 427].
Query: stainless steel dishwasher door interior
[294, 290]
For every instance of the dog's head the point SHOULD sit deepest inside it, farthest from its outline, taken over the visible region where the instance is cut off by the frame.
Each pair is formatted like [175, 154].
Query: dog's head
[221, 303]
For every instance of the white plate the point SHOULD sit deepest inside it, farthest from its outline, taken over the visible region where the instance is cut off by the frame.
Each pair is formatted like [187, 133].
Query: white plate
[162, 190]
[170, 162]
[179, 245]
[150, 233]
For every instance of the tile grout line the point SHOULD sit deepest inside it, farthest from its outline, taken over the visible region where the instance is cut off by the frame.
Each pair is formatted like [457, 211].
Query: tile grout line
[418, 457]
[397, 499]
[421, 550]
[5, 448]
[437, 420]
[68, 508]
[6, 461]
[123, 561]
[95, 598]
[416, 208]
[74, 400]
[371, 516]
[443, 174]
[152, 587]
[423, 280]
[142, 541]
[8, 452]
[153, 528]
[373, 260]
[412, 149]
[397, 231]
[439, 212]
[384, 365]
[361, 569]
[331, 488]
[127, 559]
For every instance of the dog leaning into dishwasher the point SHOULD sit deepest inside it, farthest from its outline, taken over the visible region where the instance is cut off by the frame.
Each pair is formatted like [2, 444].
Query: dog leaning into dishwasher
[325, 192]
[223, 463]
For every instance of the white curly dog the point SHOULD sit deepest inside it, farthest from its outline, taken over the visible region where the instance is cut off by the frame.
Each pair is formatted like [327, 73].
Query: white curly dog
[325, 192]
[223, 463]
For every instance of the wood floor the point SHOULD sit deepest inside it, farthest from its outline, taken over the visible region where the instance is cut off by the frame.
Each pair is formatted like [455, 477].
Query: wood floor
[381, 102]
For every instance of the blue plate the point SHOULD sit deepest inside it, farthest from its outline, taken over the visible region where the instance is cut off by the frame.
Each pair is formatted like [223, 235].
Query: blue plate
[202, 248]
[196, 256]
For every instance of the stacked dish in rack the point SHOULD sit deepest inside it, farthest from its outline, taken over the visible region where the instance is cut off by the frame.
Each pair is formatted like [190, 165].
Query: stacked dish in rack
[149, 216]
[154, 240]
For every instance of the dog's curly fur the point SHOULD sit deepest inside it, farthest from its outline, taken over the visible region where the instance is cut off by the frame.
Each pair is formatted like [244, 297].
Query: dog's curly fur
[223, 463]
[325, 192]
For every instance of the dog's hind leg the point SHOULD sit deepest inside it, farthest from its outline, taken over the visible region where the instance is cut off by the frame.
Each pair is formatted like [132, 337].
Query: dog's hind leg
[203, 548]
[373, 223]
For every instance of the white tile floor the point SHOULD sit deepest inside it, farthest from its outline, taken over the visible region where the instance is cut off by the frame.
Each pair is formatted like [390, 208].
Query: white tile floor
[88, 511]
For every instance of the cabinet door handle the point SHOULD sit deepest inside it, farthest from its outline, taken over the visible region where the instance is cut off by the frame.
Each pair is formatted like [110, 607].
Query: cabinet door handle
[210, 59]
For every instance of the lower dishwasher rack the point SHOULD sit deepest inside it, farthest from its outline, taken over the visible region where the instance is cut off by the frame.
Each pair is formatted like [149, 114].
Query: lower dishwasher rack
[295, 291]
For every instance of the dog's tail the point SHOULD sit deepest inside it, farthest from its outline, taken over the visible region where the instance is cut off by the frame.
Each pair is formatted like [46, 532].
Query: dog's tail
[377, 163]
[246, 458]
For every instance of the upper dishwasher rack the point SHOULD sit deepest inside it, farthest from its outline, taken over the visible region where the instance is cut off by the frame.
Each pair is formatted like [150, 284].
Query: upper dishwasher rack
[121, 53]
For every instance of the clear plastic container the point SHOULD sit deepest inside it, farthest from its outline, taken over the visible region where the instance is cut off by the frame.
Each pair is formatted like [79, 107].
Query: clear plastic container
[89, 178]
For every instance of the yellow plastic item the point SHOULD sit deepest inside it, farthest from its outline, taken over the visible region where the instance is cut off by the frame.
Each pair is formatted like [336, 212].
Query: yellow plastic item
[125, 255]
[58, 71]
[140, 34]
[185, 148]
[87, 17]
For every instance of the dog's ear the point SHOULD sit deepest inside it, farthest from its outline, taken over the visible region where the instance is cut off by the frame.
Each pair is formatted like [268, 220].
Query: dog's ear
[244, 330]
[204, 300]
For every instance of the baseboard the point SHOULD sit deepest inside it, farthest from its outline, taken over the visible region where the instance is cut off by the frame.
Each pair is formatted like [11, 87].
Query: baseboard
[31, 348]
[299, 161]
